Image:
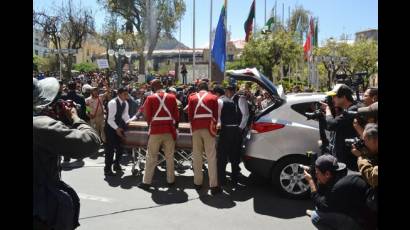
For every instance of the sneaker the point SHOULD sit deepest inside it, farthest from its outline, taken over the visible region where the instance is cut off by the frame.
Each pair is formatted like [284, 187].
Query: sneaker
[117, 168]
[109, 172]
[309, 212]
[144, 186]
[197, 187]
[215, 190]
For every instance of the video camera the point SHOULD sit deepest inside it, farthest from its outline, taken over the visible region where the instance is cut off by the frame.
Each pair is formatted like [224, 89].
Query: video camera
[357, 142]
[317, 114]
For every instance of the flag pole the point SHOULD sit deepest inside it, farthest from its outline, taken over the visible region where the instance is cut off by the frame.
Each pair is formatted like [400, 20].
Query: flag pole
[254, 21]
[265, 12]
[193, 44]
[210, 46]
[179, 47]
[226, 33]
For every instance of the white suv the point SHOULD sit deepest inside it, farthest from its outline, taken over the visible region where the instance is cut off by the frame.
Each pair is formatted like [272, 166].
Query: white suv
[280, 136]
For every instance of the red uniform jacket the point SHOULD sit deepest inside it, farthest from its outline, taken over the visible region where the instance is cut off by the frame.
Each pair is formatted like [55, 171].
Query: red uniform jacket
[151, 106]
[210, 101]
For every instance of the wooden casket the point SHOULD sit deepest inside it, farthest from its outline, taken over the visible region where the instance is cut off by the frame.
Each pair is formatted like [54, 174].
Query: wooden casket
[137, 135]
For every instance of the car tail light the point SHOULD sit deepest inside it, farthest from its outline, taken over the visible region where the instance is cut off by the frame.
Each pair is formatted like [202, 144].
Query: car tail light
[263, 127]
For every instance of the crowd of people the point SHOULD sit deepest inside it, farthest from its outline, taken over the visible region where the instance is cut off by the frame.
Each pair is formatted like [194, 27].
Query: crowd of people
[340, 200]
[347, 199]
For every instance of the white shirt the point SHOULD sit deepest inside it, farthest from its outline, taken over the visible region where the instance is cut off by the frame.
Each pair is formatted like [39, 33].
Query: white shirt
[243, 106]
[112, 110]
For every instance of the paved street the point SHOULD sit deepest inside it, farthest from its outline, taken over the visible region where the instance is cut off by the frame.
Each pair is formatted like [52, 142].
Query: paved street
[117, 203]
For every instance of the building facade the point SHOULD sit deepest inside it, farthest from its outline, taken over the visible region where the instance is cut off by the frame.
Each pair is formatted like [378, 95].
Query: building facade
[367, 34]
[40, 45]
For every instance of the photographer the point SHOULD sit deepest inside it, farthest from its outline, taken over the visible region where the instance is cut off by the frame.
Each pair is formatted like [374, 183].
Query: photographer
[340, 200]
[55, 204]
[365, 115]
[370, 96]
[367, 157]
[341, 125]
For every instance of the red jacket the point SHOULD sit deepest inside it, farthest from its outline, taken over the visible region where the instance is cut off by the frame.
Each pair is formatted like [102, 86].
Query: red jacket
[151, 106]
[210, 101]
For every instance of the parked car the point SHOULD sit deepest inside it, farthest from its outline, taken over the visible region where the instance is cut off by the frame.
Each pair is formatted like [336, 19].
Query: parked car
[280, 136]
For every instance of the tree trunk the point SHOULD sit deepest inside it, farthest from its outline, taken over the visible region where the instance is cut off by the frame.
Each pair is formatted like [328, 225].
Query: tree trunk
[141, 67]
[69, 65]
[129, 27]
[328, 80]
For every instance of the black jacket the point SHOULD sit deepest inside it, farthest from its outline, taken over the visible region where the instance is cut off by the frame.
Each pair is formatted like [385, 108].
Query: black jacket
[346, 195]
[342, 126]
[55, 203]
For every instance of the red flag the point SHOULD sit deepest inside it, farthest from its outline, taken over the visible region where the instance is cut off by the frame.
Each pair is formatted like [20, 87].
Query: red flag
[307, 46]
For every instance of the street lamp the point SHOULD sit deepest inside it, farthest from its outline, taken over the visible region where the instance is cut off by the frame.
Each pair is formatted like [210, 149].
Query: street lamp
[118, 53]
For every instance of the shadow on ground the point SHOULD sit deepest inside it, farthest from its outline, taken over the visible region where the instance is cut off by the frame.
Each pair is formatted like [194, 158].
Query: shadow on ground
[266, 201]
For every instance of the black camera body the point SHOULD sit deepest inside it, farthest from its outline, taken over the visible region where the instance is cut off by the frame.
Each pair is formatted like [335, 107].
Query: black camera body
[311, 169]
[57, 110]
[357, 142]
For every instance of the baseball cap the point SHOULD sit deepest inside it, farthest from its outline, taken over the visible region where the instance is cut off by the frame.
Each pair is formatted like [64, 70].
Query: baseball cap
[340, 90]
[328, 162]
[44, 91]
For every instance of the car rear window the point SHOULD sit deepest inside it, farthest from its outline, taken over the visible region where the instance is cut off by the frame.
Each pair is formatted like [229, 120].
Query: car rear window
[308, 107]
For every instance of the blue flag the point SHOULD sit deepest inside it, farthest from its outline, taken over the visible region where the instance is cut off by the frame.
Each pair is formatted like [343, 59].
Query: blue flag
[219, 48]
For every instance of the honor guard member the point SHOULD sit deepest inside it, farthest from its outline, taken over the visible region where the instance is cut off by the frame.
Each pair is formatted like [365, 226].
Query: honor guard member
[203, 115]
[161, 113]
[233, 118]
[116, 123]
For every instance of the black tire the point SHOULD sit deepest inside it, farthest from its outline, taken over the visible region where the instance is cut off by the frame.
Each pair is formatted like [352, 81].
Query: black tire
[285, 167]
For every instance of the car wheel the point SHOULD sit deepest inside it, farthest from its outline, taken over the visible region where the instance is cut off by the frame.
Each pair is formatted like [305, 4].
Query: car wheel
[288, 177]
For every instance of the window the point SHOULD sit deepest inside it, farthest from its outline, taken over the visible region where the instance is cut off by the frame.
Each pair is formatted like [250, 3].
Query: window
[36, 52]
[36, 42]
[307, 107]
[88, 52]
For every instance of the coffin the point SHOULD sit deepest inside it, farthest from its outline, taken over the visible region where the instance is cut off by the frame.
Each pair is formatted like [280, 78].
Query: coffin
[137, 135]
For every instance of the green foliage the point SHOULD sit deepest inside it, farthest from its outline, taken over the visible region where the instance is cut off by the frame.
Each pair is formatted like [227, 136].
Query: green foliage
[271, 49]
[85, 67]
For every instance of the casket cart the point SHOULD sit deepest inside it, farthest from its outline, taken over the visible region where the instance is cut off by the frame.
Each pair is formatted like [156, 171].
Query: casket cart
[136, 138]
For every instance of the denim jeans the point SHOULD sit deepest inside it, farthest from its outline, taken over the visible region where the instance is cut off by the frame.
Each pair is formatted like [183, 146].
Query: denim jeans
[333, 221]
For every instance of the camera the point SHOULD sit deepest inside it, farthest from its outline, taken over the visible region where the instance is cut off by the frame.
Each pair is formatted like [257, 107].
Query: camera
[57, 110]
[357, 142]
[312, 157]
[317, 114]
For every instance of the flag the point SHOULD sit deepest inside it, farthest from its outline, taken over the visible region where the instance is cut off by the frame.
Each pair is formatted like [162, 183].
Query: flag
[307, 47]
[269, 24]
[249, 22]
[219, 48]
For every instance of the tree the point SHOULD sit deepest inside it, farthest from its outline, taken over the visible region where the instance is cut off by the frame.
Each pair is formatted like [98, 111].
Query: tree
[150, 18]
[335, 49]
[364, 57]
[271, 49]
[67, 28]
[85, 67]
[299, 22]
